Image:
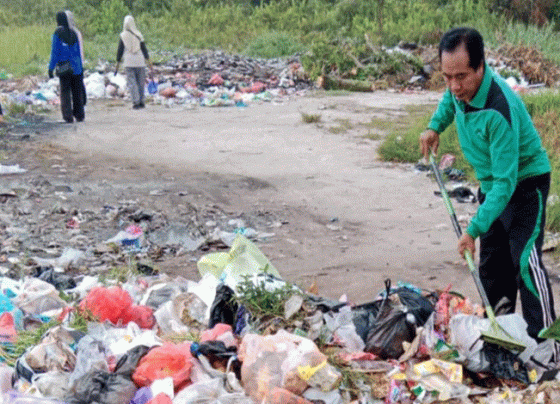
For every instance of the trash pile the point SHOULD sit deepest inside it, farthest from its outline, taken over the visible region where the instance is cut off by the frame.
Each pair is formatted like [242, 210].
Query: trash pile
[211, 78]
[241, 334]
[215, 78]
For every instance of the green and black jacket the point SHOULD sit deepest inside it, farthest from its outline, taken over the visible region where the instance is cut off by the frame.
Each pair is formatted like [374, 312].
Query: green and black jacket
[498, 139]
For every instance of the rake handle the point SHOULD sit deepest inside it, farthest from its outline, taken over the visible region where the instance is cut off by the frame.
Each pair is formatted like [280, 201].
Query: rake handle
[468, 256]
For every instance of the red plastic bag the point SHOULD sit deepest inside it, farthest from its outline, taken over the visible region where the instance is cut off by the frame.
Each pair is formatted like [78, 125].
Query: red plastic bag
[115, 305]
[168, 360]
[107, 303]
[141, 315]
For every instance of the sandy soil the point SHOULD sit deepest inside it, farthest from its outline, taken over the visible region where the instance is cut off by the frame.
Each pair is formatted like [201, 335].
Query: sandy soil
[343, 220]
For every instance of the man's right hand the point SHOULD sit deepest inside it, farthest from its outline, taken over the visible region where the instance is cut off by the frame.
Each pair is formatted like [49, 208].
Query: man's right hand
[429, 141]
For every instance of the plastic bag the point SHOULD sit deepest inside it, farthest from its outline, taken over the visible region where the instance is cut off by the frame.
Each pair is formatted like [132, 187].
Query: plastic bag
[152, 87]
[392, 327]
[273, 361]
[115, 305]
[107, 303]
[102, 388]
[416, 304]
[243, 258]
[168, 360]
[223, 309]
[343, 329]
[128, 362]
[90, 355]
[210, 391]
[38, 297]
[52, 384]
[365, 315]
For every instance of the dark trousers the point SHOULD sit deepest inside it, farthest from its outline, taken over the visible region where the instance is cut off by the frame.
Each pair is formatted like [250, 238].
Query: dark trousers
[72, 97]
[511, 256]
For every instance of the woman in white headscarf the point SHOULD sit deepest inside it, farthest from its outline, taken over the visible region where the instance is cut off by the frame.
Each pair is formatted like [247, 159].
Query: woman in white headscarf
[73, 27]
[133, 53]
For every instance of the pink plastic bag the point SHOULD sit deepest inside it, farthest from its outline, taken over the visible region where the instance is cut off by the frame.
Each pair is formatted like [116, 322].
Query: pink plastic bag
[214, 333]
[161, 398]
[216, 80]
[8, 331]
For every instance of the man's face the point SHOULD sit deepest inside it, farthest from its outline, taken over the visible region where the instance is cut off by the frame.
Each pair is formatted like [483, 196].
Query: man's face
[462, 80]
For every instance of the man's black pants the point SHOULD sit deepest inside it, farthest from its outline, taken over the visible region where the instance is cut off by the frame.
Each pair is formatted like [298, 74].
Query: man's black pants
[511, 256]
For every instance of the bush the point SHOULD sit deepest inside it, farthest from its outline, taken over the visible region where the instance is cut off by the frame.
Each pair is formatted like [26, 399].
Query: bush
[274, 44]
[108, 18]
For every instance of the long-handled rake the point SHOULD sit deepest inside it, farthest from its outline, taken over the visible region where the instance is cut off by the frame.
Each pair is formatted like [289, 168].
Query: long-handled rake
[495, 334]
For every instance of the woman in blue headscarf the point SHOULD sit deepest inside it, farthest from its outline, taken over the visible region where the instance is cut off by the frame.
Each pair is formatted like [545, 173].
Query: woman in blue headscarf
[66, 50]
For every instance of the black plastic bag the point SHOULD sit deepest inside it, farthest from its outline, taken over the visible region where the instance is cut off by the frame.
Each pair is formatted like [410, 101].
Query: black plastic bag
[392, 327]
[365, 315]
[223, 308]
[416, 304]
[58, 280]
[505, 364]
[102, 388]
[128, 362]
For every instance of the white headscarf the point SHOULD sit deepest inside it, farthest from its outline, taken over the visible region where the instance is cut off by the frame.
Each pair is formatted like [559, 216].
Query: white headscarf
[72, 25]
[130, 35]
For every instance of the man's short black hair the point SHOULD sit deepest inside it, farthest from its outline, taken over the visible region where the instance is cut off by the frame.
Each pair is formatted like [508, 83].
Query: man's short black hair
[472, 40]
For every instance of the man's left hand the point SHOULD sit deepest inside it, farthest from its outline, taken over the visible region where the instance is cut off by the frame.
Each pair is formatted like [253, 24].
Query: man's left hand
[466, 242]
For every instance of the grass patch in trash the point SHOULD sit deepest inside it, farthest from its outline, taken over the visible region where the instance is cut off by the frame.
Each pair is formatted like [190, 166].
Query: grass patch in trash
[262, 303]
[81, 319]
[120, 274]
[9, 353]
[353, 381]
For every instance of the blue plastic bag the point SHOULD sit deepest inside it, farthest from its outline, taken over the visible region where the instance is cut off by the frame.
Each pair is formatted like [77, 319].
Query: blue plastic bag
[152, 87]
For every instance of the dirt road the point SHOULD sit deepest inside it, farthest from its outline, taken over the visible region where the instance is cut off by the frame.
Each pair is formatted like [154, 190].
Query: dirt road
[345, 220]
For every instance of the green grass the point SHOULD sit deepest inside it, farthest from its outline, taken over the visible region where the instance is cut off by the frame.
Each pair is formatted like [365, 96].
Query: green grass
[403, 146]
[274, 44]
[343, 126]
[546, 39]
[332, 29]
[545, 110]
[25, 50]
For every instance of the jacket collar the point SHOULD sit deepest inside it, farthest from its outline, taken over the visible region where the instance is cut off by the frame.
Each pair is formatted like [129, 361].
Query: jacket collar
[481, 96]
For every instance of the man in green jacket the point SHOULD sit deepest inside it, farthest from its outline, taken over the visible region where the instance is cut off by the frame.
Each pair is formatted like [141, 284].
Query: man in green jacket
[499, 140]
